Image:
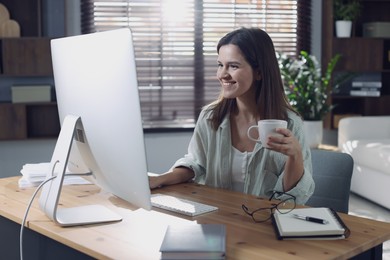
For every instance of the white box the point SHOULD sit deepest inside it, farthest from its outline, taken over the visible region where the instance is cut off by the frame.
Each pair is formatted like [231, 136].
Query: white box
[29, 94]
[376, 29]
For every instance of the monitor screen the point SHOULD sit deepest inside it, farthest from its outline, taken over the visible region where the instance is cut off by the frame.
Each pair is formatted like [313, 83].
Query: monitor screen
[95, 80]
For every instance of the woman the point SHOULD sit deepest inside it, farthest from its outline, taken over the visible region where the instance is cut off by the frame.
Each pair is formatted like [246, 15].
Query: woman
[220, 154]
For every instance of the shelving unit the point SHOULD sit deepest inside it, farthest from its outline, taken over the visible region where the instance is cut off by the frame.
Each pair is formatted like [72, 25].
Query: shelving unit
[359, 55]
[27, 57]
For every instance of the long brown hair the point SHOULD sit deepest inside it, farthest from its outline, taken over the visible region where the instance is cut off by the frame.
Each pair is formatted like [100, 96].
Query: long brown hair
[258, 50]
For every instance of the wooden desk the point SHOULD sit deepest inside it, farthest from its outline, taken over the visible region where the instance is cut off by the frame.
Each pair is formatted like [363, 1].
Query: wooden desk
[140, 233]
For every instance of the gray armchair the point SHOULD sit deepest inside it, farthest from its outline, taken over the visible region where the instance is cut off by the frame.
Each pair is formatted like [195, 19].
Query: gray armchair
[332, 173]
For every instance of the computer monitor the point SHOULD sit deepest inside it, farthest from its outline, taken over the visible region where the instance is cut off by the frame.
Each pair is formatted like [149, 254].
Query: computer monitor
[99, 109]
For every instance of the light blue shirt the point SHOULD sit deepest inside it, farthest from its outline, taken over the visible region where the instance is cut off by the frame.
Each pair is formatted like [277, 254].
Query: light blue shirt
[210, 154]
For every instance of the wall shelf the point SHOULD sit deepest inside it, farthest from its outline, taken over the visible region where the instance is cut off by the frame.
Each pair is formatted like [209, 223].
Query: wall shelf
[358, 55]
[28, 58]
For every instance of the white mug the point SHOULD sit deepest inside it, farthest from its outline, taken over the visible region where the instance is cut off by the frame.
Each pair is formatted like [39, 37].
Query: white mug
[265, 128]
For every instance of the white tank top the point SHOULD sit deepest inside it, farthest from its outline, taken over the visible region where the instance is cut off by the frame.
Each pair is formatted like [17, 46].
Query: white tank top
[238, 168]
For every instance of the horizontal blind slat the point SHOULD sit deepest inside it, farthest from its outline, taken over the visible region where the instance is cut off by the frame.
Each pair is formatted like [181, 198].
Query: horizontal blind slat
[165, 33]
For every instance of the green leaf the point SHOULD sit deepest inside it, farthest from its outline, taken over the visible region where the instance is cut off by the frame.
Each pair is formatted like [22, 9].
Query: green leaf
[306, 88]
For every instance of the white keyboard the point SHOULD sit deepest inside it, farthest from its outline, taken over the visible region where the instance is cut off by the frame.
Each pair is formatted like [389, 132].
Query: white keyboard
[182, 206]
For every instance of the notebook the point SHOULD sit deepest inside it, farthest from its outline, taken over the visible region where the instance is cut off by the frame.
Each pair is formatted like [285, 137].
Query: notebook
[194, 241]
[288, 226]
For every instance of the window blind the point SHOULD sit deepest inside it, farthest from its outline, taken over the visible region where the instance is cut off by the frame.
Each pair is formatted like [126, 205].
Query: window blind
[175, 45]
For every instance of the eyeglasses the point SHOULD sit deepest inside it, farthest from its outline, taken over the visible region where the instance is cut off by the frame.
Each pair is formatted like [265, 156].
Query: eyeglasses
[286, 205]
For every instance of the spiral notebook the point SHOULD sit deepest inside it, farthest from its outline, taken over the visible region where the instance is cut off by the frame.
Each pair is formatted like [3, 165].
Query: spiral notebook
[287, 226]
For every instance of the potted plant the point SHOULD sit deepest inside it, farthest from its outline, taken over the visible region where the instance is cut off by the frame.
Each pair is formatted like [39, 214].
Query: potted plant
[345, 13]
[308, 89]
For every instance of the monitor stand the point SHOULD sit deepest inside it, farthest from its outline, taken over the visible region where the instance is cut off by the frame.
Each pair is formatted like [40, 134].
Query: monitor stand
[48, 201]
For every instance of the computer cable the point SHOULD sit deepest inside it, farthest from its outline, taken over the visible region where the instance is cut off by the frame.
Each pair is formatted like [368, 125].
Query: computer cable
[28, 209]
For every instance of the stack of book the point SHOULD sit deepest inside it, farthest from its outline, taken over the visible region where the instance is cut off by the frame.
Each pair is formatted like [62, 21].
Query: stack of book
[367, 84]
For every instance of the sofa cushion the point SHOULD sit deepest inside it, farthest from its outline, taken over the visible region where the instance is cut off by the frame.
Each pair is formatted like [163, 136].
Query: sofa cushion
[372, 153]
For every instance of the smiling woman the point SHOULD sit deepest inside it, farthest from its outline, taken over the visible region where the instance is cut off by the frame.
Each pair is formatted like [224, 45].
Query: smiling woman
[175, 45]
[220, 154]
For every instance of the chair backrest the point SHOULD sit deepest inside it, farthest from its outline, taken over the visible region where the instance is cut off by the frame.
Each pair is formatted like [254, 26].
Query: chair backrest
[332, 173]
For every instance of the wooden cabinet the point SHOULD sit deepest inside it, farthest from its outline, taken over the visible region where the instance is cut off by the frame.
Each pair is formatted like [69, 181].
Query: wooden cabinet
[28, 120]
[26, 56]
[359, 55]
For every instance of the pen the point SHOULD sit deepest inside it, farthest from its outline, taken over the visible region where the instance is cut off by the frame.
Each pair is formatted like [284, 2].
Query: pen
[311, 219]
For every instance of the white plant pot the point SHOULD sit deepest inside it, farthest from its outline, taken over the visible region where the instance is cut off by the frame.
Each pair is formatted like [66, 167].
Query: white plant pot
[313, 132]
[343, 29]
